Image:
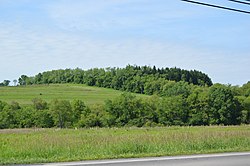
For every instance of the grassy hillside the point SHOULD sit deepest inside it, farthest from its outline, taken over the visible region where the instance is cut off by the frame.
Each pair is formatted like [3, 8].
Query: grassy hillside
[25, 94]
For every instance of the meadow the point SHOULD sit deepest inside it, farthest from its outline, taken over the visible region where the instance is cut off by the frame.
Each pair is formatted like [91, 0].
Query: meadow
[19, 146]
[90, 95]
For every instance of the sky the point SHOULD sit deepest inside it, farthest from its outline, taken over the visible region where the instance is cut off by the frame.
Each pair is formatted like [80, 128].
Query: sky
[42, 35]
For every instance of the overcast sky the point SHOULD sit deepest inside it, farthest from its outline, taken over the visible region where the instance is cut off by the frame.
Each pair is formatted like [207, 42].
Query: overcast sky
[41, 35]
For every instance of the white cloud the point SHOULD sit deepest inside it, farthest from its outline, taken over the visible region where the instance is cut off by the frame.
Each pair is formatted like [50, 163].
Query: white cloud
[121, 14]
[68, 40]
[30, 52]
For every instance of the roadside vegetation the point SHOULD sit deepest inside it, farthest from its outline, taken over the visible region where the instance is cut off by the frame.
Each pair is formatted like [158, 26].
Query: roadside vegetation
[19, 146]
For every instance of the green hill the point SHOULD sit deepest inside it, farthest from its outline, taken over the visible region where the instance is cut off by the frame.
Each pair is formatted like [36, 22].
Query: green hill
[25, 94]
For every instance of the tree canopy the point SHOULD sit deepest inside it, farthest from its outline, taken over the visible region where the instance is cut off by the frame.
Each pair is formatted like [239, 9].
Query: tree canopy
[182, 104]
[137, 79]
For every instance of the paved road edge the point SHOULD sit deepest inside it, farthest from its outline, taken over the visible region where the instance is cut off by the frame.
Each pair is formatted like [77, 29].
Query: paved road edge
[114, 161]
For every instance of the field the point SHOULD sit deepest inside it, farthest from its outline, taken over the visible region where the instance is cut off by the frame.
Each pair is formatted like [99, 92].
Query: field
[18, 146]
[25, 94]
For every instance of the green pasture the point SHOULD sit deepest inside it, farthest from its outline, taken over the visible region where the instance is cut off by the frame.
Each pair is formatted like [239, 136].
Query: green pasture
[25, 94]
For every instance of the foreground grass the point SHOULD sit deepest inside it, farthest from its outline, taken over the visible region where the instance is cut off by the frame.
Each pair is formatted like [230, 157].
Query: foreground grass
[53, 145]
[25, 94]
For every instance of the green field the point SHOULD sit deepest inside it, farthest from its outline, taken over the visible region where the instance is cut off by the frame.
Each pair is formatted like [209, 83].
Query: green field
[25, 94]
[18, 146]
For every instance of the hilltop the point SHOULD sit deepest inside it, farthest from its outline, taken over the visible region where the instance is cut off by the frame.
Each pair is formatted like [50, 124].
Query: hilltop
[137, 79]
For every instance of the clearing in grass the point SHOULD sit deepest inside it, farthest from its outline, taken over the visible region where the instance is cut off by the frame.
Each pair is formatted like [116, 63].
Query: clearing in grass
[25, 94]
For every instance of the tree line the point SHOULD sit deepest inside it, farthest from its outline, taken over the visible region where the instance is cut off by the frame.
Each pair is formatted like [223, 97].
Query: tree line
[136, 79]
[183, 104]
[5, 83]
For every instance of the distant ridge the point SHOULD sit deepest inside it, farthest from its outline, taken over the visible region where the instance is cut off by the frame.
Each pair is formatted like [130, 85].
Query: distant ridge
[132, 78]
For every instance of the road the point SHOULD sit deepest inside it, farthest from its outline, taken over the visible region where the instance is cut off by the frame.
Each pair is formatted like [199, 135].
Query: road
[223, 159]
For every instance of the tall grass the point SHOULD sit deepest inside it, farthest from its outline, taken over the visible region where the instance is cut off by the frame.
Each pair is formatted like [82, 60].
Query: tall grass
[53, 145]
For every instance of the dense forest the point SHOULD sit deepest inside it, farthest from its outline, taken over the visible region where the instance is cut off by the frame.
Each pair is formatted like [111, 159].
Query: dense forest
[184, 105]
[137, 79]
[177, 97]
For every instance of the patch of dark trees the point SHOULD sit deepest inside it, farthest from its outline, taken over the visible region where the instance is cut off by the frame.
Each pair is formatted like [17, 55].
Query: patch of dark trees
[136, 79]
